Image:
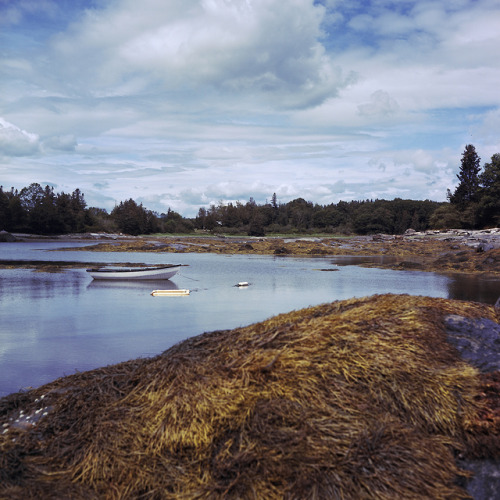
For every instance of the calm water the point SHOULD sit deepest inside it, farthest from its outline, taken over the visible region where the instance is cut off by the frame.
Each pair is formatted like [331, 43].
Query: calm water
[53, 324]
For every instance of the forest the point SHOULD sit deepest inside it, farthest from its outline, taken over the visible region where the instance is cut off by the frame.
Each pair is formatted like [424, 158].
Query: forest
[474, 204]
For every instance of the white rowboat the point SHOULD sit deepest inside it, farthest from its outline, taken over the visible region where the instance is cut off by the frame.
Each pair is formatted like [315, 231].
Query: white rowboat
[134, 273]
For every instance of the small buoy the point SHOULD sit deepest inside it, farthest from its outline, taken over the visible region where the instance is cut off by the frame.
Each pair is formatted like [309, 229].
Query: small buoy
[168, 293]
[243, 283]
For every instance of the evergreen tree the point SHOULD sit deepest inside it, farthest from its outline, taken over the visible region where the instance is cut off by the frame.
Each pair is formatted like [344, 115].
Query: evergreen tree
[274, 201]
[64, 212]
[467, 190]
[78, 211]
[5, 218]
[47, 217]
[16, 211]
[131, 218]
[489, 204]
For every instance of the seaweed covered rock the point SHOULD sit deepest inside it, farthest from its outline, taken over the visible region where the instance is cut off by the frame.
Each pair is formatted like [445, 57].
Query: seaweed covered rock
[358, 399]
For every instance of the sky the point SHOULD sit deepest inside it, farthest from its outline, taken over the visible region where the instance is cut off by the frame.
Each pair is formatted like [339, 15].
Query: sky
[182, 104]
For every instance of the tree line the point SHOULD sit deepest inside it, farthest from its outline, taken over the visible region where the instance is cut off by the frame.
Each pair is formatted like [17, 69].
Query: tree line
[39, 210]
[475, 203]
[299, 215]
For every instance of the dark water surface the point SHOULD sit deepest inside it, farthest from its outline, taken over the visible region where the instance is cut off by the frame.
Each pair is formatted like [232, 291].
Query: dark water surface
[53, 324]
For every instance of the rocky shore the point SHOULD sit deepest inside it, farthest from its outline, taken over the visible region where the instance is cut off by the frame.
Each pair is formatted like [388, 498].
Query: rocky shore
[456, 251]
[453, 251]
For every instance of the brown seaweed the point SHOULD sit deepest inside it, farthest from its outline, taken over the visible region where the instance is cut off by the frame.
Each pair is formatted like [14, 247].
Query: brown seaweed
[358, 399]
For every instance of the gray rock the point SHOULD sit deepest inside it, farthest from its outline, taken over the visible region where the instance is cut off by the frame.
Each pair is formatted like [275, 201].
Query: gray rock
[6, 237]
[477, 340]
[485, 483]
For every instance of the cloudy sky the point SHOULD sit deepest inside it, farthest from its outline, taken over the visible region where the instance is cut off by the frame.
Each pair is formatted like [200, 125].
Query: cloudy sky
[183, 103]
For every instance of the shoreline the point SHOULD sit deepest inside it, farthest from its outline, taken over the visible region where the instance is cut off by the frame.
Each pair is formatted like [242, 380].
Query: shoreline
[453, 251]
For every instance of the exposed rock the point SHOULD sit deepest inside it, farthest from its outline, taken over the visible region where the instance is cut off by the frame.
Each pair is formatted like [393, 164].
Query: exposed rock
[382, 237]
[281, 251]
[246, 246]
[485, 482]
[477, 340]
[6, 237]
[410, 265]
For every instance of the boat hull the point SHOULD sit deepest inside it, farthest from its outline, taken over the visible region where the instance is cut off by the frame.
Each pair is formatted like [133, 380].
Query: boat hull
[139, 274]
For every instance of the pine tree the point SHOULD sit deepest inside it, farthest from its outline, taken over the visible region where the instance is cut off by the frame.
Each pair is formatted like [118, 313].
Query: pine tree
[489, 204]
[468, 189]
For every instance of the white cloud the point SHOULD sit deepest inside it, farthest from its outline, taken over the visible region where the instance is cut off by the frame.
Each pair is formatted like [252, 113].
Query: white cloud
[260, 47]
[381, 103]
[17, 142]
[61, 143]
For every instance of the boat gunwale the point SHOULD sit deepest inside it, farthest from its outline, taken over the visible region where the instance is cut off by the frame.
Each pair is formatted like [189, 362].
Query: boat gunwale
[131, 270]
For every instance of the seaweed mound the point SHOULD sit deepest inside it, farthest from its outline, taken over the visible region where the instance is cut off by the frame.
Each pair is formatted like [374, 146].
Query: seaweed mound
[358, 399]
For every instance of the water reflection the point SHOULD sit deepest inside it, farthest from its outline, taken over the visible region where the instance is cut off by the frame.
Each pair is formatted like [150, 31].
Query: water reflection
[474, 289]
[356, 260]
[21, 283]
[147, 285]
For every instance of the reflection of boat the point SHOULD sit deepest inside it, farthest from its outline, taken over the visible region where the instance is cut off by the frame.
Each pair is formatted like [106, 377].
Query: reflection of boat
[134, 273]
[132, 285]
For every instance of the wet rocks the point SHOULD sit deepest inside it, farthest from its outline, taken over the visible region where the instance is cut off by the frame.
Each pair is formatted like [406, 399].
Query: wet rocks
[281, 251]
[411, 265]
[246, 247]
